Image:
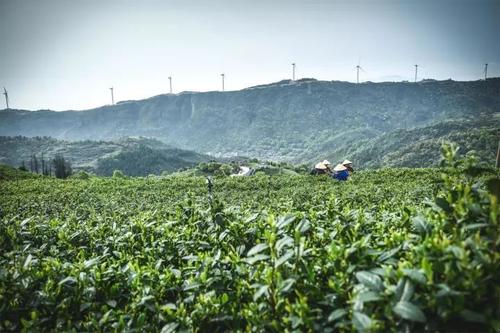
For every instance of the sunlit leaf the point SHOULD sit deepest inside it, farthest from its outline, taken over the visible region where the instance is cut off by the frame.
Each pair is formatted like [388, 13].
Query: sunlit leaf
[257, 248]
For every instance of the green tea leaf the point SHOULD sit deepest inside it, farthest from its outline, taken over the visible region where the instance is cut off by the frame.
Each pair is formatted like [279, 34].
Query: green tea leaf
[257, 248]
[408, 291]
[91, 262]
[68, 281]
[420, 224]
[256, 258]
[284, 258]
[415, 274]
[368, 296]
[27, 262]
[260, 291]
[169, 328]
[370, 280]
[336, 314]
[409, 311]
[361, 321]
[284, 221]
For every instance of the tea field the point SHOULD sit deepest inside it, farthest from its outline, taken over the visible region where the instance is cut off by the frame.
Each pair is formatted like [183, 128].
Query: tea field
[388, 250]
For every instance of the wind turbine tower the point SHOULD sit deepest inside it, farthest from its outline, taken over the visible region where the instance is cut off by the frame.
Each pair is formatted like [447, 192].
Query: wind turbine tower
[358, 67]
[170, 80]
[416, 71]
[485, 71]
[6, 94]
[112, 96]
[293, 71]
[222, 75]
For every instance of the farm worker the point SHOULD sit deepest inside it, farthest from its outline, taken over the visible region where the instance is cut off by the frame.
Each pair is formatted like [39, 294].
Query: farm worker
[348, 165]
[340, 172]
[321, 168]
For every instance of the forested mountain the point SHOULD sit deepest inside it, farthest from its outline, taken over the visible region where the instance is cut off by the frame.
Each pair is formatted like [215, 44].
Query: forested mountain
[296, 121]
[133, 156]
[420, 147]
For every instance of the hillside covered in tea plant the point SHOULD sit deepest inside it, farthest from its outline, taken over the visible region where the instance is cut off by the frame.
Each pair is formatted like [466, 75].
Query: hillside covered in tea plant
[388, 250]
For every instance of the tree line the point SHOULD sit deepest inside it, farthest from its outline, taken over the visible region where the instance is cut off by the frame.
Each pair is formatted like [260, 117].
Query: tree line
[58, 166]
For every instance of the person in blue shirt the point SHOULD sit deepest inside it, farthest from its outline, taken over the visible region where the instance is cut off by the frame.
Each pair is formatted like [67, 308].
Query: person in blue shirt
[340, 172]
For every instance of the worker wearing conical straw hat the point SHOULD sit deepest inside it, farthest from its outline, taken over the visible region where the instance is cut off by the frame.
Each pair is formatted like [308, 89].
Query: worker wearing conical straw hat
[348, 165]
[322, 168]
[340, 172]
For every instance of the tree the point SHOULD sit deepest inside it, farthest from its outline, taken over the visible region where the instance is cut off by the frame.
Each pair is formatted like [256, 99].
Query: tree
[23, 167]
[62, 168]
[43, 164]
[118, 174]
[35, 164]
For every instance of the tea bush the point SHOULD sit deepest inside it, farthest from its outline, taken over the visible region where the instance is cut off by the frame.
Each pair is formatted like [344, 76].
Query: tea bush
[389, 250]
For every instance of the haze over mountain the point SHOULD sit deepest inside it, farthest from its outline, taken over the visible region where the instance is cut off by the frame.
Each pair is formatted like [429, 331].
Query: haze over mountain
[297, 121]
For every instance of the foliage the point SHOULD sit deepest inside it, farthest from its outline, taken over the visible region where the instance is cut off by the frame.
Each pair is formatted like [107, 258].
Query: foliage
[214, 168]
[388, 250]
[419, 147]
[81, 175]
[62, 167]
[118, 174]
[135, 156]
[22, 167]
[10, 173]
[217, 168]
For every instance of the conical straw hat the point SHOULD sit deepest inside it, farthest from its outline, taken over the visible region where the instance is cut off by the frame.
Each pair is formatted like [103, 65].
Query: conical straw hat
[320, 166]
[346, 162]
[339, 167]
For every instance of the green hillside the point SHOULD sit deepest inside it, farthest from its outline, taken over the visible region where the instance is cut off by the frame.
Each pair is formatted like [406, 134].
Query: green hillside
[420, 147]
[134, 156]
[288, 120]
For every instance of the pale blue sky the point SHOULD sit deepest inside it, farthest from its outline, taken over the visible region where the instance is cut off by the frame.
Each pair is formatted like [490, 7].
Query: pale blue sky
[63, 54]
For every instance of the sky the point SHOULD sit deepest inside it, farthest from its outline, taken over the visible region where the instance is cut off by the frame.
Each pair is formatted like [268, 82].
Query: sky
[65, 55]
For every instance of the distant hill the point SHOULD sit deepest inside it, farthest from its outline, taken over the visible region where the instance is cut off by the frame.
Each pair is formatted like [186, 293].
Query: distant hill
[297, 121]
[133, 156]
[420, 147]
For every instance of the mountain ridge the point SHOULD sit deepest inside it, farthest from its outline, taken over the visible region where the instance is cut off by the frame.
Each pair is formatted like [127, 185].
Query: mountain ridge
[281, 121]
[259, 86]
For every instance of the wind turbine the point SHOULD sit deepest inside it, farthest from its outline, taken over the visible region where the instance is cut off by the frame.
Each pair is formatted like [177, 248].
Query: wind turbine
[293, 71]
[358, 67]
[485, 71]
[416, 71]
[170, 79]
[112, 96]
[6, 94]
[222, 75]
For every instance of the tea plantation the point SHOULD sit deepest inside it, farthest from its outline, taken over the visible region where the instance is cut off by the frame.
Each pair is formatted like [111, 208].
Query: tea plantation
[388, 250]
